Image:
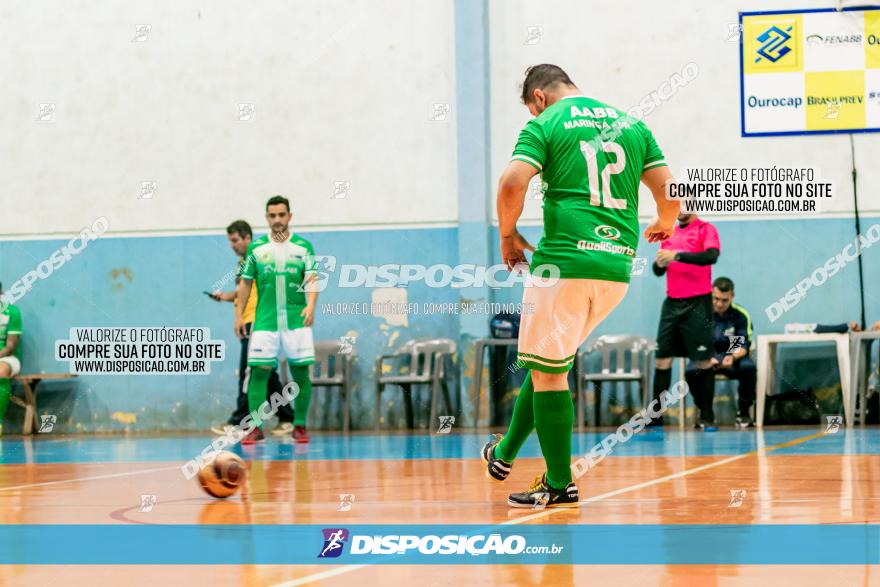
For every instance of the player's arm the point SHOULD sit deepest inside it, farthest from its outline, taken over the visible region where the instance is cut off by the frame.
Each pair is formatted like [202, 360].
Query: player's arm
[11, 345]
[656, 179]
[740, 352]
[311, 289]
[743, 328]
[246, 275]
[310, 286]
[13, 333]
[242, 293]
[510, 201]
[707, 257]
[711, 249]
[656, 176]
[225, 296]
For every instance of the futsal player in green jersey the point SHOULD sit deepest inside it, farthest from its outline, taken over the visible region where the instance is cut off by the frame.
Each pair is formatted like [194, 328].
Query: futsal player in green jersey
[283, 267]
[10, 352]
[591, 156]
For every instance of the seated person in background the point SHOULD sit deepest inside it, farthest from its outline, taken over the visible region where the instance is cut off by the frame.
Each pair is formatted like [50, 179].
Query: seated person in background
[732, 338]
[10, 352]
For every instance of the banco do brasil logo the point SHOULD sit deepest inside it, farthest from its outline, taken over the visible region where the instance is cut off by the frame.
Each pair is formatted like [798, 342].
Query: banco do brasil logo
[774, 44]
[334, 540]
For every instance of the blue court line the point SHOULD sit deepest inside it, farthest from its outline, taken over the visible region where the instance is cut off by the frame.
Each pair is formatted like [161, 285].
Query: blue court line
[44, 449]
[302, 544]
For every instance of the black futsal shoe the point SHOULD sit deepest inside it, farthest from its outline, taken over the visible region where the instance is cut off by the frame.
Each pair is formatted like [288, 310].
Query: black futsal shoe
[541, 495]
[495, 468]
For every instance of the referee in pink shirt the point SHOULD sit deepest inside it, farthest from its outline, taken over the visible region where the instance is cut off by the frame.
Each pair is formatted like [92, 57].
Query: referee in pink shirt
[686, 321]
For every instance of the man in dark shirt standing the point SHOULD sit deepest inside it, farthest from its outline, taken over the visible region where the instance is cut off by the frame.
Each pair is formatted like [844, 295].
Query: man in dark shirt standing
[733, 339]
[686, 321]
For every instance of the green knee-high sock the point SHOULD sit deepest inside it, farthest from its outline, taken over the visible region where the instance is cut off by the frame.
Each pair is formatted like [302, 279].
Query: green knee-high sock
[554, 417]
[258, 382]
[303, 379]
[5, 393]
[521, 424]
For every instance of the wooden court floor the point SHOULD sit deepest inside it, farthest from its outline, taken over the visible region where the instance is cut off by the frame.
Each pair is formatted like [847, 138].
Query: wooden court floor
[780, 477]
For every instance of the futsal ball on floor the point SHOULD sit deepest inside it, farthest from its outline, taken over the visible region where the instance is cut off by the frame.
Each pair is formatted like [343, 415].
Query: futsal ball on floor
[224, 475]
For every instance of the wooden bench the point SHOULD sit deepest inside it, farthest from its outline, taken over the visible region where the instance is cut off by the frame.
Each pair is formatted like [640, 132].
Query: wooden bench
[30, 383]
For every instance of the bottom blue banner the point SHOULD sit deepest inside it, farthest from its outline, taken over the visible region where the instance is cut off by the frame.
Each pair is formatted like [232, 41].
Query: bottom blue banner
[429, 544]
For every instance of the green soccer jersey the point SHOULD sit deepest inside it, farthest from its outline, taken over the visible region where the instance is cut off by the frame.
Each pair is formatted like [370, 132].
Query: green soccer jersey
[591, 157]
[279, 270]
[10, 323]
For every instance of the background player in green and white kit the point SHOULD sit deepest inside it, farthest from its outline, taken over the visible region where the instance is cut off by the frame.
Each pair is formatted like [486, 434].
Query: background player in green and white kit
[592, 157]
[10, 353]
[283, 266]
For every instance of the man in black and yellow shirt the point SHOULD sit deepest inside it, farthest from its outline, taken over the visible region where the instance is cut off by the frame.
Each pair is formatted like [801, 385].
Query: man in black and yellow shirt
[732, 334]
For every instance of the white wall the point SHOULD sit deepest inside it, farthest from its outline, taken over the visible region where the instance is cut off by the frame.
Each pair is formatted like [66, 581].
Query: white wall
[343, 91]
[620, 51]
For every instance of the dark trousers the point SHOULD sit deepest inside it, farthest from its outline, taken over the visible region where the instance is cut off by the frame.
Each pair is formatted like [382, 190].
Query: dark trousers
[285, 412]
[745, 374]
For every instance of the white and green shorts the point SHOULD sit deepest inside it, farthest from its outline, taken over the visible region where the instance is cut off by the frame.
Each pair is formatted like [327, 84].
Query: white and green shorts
[558, 317]
[14, 365]
[297, 345]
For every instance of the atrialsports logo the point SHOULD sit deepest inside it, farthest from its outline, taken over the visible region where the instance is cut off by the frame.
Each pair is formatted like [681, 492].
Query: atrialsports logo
[774, 44]
[334, 540]
[607, 232]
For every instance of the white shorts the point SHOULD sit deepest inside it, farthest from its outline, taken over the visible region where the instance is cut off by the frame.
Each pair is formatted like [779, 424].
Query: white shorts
[297, 345]
[558, 318]
[13, 363]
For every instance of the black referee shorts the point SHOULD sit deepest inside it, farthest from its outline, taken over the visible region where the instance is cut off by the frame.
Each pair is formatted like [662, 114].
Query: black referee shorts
[686, 328]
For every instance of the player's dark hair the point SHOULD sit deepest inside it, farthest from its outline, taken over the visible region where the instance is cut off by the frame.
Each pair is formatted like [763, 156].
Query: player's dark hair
[240, 227]
[542, 77]
[275, 200]
[724, 284]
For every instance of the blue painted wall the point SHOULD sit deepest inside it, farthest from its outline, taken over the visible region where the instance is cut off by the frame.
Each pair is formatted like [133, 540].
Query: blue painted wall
[158, 282]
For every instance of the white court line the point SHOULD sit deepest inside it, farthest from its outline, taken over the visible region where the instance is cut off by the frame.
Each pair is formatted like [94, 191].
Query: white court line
[550, 511]
[95, 478]
[322, 575]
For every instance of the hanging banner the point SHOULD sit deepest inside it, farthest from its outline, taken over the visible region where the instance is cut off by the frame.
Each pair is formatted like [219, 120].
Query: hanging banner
[809, 71]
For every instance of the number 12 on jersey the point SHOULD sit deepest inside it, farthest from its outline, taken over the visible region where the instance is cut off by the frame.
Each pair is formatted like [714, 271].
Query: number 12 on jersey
[601, 184]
